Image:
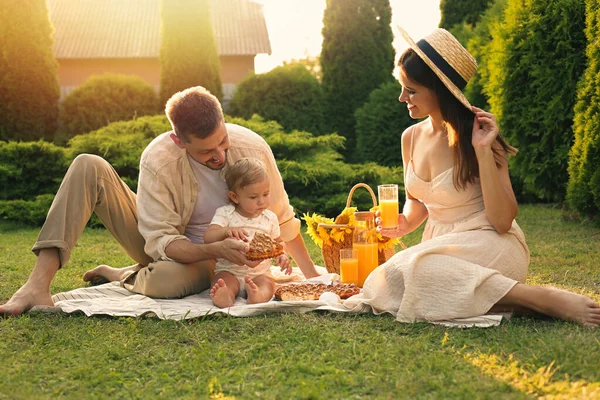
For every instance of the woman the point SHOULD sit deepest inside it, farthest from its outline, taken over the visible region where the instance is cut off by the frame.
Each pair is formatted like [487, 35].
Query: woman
[473, 257]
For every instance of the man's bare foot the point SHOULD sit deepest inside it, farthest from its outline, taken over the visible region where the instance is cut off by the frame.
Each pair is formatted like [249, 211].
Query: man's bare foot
[570, 306]
[221, 295]
[104, 273]
[24, 299]
[256, 294]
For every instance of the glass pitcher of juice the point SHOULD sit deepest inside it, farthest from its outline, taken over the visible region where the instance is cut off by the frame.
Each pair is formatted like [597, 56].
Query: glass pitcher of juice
[365, 242]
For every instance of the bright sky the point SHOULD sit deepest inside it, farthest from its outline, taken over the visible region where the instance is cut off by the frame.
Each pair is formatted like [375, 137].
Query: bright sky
[295, 27]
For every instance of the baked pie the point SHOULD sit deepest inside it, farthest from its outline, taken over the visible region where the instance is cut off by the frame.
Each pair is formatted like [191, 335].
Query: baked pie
[262, 247]
[312, 291]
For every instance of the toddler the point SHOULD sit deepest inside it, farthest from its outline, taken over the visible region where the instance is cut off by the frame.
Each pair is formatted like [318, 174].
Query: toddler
[248, 185]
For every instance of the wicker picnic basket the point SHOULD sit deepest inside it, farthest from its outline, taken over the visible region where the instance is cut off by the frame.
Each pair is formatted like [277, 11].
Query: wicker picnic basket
[331, 251]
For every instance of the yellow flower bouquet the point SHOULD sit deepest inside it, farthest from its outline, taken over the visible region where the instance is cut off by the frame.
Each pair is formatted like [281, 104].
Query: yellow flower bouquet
[333, 235]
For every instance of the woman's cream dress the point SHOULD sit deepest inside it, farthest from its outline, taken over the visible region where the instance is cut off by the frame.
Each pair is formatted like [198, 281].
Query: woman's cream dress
[461, 268]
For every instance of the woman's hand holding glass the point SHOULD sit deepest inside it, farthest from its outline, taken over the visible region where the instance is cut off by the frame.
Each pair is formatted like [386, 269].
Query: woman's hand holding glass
[398, 231]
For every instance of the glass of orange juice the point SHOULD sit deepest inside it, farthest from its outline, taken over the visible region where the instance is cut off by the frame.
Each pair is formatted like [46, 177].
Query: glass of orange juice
[388, 205]
[349, 266]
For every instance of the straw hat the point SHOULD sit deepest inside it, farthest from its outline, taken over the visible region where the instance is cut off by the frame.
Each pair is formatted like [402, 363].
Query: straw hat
[450, 61]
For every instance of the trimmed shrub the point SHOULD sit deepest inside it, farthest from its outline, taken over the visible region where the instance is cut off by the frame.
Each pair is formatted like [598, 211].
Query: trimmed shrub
[315, 177]
[538, 56]
[379, 126]
[188, 52]
[29, 89]
[357, 57]
[121, 144]
[454, 12]
[104, 99]
[28, 169]
[583, 190]
[26, 212]
[289, 94]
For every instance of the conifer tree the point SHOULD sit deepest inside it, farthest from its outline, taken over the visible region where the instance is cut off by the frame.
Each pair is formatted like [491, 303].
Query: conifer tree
[583, 190]
[357, 57]
[537, 58]
[188, 53]
[29, 88]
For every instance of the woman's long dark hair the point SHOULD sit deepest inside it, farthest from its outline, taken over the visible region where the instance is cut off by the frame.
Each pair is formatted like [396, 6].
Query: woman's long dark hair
[458, 120]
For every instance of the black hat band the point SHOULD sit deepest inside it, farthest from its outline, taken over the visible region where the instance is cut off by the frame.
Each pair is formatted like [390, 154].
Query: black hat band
[442, 64]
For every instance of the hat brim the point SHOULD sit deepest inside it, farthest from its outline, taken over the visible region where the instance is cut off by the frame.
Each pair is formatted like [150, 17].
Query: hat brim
[447, 82]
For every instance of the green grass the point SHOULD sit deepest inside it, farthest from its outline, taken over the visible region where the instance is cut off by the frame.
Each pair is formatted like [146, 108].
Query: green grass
[314, 355]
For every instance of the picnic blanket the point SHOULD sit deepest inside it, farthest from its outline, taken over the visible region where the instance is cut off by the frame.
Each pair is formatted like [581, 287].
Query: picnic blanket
[113, 300]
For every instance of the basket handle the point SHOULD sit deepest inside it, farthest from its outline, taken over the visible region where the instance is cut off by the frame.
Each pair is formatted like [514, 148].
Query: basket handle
[364, 186]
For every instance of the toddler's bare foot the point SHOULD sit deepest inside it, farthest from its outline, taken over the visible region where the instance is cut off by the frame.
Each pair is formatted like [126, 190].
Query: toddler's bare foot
[25, 298]
[221, 295]
[255, 293]
[572, 307]
[104, 273]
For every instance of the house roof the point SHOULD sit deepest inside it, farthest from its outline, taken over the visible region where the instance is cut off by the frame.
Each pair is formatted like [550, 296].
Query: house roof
[131, 28]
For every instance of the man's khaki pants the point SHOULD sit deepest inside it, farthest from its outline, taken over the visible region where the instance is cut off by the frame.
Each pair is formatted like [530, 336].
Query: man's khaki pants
[92, 185]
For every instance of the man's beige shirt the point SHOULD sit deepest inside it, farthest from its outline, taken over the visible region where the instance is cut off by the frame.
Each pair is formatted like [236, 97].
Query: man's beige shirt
[167, 189]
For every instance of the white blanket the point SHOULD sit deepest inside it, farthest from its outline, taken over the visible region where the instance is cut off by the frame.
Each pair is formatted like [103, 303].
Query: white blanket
[111, 299]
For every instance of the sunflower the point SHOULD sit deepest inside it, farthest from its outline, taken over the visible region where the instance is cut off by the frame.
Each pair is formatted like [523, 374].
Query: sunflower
[321, 235]
[316, 233]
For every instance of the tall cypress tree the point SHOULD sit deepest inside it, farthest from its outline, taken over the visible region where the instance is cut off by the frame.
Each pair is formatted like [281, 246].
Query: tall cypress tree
[583, 190]
[357, 57]
[454, 12]
[29, 88]
[188, 53]
[537, 58]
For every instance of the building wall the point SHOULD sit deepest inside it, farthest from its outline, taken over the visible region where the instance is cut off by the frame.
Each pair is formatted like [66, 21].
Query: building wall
[73, 72]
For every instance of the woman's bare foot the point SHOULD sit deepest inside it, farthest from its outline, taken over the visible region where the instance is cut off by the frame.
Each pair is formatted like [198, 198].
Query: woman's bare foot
[572, 307]
[221, 295]
[25, 298]
[554, 302]
[260, 293]
[104, 273]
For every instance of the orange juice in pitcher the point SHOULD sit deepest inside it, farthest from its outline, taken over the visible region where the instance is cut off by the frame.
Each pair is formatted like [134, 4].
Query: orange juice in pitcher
[365, 243]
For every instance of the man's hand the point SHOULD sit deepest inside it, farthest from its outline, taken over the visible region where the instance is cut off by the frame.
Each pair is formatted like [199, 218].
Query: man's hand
[237, 233]
[284, 262]
[234, 250]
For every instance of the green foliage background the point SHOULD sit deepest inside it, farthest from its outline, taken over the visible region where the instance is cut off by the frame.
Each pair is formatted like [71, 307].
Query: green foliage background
[379, 126]
[357, 57]
[315, 177]
[583, 190]
[28, 169]
[537, 57]
[478, 45]
[29, 89]
[188, 53]
[104, 99]
[455, 12]
[289, 94]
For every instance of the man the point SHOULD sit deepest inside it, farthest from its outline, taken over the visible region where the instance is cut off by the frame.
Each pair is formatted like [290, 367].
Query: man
[180, 186]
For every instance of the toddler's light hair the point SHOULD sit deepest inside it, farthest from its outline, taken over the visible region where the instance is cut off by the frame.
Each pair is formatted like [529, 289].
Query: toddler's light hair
[244, 172]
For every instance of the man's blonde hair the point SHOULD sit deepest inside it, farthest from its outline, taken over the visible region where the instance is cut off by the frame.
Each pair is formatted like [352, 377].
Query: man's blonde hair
[194, 112]
[244, 172]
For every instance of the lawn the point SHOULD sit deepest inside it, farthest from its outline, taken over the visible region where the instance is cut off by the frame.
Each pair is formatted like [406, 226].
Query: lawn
[314, 355]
